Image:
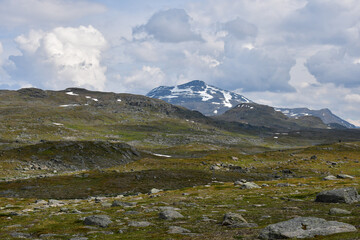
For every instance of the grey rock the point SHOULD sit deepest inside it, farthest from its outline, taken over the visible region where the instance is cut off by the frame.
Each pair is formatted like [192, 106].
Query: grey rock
[79, 238]
[344, 176]
[341, 195]
[98, 220]
[118, 203]
[170, 215]
[338, 211]
[233, 218]
[155, 190]
[139, 224]
[20, 235]
[214, 167]
[285, 185]
[178, 230]
[304, 227]
[330, 177]
[249, 185]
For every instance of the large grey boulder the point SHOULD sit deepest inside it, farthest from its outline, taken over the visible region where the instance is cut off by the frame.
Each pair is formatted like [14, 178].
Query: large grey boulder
[170, 215]
[341, 195]
[98, 220]
[304, 227]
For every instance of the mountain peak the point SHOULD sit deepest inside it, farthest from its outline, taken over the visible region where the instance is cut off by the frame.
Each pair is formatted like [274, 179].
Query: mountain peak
[197, 95]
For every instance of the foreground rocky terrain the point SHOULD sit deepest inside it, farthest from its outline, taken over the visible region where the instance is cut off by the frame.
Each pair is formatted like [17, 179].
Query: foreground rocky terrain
[78, 165]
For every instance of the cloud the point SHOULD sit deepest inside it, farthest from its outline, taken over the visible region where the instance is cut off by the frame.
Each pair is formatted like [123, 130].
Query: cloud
[240, 28]
[27, 12]
[172, 25]
[143, 79]
[61, 58]
[335, 66]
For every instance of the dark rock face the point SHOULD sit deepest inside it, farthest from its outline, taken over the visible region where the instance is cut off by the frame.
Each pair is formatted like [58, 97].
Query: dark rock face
[341, 195]
[98, 220]
[304, 227]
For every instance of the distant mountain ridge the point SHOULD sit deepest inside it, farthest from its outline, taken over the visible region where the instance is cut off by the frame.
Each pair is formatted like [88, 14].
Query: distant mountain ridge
[199, 96]
[324, 114]
[214, 101]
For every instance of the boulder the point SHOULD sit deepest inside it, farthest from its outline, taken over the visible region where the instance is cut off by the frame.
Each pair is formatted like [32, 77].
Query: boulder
[233, 218]
[118, 203]
[170, 215]
[344, 176]
[139, 224]
[304, 227]
[338, 211]
[98, 220]
[249, 185]
[330, 177]
[341, 195]
[178, 230]
[155, 190]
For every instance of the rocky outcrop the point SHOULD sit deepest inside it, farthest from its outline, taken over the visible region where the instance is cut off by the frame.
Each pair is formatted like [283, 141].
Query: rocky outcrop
[341, 195]
[304, 227]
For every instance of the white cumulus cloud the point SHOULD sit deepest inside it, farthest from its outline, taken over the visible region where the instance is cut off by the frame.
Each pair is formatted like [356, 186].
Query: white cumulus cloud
[61, 58]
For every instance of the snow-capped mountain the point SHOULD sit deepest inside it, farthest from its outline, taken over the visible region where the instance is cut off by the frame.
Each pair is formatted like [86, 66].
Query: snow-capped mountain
[324, 114]
[199, 96]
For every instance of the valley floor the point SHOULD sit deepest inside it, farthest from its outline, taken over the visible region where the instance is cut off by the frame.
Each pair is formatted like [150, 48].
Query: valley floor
[201, 188]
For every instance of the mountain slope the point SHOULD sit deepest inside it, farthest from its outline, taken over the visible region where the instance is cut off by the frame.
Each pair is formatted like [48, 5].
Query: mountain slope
[324, 114]
[266, 116]
[199, 96]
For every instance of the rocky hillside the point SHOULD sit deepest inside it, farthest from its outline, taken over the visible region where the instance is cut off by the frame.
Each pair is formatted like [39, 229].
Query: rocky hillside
[324, 114]
[266, 116]
[199, 96]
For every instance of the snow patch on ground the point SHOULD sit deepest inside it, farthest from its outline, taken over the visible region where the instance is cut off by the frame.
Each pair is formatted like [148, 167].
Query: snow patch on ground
[72, 94]
[119, 100]
[58, 124]
[70, 105]
[161, 155]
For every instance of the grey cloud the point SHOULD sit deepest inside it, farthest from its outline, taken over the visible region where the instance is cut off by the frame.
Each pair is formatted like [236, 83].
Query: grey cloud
[240, 28]
[335, 66]
[254, 70]
[321, 22]
[172, 25]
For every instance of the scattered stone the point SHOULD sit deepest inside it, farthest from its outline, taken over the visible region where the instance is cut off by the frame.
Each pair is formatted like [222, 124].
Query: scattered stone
[330, 177]
[233, 218]
[106, 204]
[313, 157]
[344, 176]
[341, 195]
[170, 215]
[98, 220]
[178, 230]
[285, 185]
[79, 238]
[20, 235]
[249, 185]
[131, 212]
[304, 227]
[118, 203]
[154, 191]
[139, 224]
[214, 167]
[338, 211]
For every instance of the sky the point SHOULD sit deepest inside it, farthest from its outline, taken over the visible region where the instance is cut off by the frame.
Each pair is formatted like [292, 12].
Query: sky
[283, 53]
